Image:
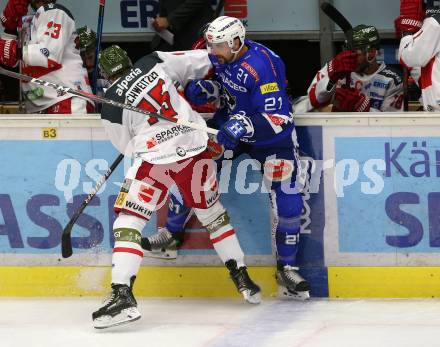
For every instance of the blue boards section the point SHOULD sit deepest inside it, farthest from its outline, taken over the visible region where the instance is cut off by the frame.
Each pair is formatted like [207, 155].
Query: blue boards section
[43, 183]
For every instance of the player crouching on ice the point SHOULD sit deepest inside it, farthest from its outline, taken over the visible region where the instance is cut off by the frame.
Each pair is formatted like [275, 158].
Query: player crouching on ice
[164, 154]
[257, 120]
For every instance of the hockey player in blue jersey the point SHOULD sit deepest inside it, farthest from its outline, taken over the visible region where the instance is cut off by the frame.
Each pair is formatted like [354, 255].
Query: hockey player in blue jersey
[257, 120]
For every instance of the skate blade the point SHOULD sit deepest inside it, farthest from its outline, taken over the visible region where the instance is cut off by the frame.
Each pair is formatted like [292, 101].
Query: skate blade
[126, 316]
[284, 293]
[161, 254]
[251, 299]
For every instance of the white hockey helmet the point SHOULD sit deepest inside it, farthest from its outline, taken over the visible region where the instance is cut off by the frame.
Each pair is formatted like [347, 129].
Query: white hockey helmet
[226, 29]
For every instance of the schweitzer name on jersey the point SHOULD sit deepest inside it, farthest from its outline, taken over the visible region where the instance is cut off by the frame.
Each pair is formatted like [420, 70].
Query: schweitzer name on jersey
[134, 87]
[140, 85]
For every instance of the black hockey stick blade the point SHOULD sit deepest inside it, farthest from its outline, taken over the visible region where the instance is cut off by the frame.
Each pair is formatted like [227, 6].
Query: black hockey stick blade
[219, 8]
[336, 16]
[66, 239]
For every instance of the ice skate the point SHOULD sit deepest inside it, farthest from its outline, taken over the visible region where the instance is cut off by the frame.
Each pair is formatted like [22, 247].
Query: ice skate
[163, 244]
[119, 308]
[291, 285]
[250, 291]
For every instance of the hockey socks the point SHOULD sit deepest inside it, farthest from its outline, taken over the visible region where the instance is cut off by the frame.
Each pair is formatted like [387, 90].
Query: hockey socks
[126, 260]
[222, 234]
[127, 252]
[225, 243]
[287, 239]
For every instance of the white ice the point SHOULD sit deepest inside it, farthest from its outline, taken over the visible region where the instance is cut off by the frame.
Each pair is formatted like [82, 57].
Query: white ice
[226, 322]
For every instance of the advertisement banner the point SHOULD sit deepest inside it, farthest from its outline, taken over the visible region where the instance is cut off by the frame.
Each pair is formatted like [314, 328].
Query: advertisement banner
[43, 182]
[134, 16]
[48, 172]
[382, 196]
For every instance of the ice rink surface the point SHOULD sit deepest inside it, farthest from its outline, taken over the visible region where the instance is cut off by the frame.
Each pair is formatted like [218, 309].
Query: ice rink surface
[226, 322]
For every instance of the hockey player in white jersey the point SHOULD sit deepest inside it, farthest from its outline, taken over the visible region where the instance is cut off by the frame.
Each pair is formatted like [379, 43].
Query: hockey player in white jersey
[50, 51]
[354, 81]
[165, 153]
[420, 48]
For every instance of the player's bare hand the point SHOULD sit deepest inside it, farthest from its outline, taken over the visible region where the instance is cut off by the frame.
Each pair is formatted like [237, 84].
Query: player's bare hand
[160, 23]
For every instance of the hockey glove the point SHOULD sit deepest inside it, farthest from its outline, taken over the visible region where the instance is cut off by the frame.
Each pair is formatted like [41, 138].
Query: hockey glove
[406, 25]
[412, 8]
[215, 150]
[200, 92]
[230, 133]
[8, 52]
[350, 100]
[11, 15]
[345, 62]
[411, 17]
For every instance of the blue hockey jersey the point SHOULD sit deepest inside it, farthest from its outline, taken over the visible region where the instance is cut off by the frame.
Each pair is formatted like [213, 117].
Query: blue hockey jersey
[254, 88]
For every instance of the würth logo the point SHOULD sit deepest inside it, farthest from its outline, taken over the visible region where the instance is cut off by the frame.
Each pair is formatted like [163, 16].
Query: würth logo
[236, 8]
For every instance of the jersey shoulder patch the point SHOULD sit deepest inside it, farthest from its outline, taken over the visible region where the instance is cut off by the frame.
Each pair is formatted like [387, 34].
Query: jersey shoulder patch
[433, 12]
[251, 70]
[49, 7]
[392, 73]
[147, 62]
[109, 112]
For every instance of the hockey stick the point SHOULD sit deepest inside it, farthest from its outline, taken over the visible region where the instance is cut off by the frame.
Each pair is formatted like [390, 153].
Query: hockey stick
[405, 87]
[63, 90]
[20, 68]
[66, 239]
[338, 18]
[218, 9]
[98, 44]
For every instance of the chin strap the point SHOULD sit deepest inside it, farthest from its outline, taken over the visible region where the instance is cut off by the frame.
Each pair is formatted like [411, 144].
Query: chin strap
[237, 51]
[370, 61]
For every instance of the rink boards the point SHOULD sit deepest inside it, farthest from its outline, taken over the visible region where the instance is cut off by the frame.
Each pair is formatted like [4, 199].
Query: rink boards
[370, 225]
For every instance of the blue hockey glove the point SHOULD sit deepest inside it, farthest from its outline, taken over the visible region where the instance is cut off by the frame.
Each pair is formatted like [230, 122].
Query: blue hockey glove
[230, 133]
[200, 92]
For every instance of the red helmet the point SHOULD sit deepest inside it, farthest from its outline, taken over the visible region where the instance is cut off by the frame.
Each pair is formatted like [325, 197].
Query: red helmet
[200, 43]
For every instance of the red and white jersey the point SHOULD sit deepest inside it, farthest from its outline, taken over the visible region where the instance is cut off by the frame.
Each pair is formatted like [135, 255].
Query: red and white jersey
[384, 88]
[422, 50]
[151, 85]
[50, 52]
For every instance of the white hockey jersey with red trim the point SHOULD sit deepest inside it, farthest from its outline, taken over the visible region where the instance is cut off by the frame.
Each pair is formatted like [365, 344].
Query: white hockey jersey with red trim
[151, 85]
[384, 88]
[50, 52]
[423, 50]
